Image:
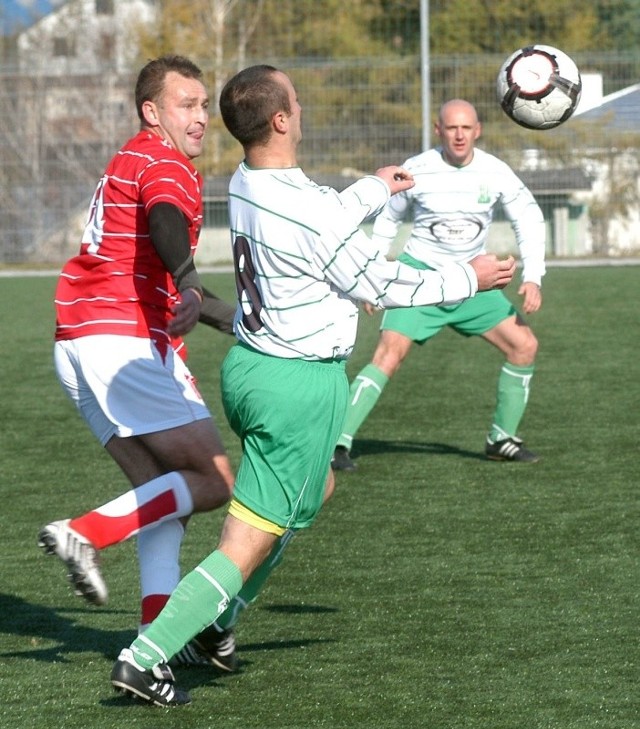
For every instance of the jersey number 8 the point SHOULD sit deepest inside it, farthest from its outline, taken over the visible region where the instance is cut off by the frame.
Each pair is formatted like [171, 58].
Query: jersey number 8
[248, 293]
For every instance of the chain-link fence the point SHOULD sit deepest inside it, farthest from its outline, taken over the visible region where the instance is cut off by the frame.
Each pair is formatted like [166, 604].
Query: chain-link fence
[60, 124]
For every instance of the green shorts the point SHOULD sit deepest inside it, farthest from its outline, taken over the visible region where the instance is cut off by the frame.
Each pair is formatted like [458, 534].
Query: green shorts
[471, 317]
[288, 414]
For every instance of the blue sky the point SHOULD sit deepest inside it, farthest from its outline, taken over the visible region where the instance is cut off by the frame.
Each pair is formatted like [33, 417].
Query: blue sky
[21, 13]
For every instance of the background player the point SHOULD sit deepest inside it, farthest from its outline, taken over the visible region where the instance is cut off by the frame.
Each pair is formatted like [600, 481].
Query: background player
[452, 204]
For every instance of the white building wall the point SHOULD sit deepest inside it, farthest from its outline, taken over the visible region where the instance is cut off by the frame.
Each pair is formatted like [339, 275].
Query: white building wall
[84, 36]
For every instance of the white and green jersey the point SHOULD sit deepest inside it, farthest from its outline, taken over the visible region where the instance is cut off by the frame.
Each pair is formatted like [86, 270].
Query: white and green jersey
[302, 263]
[452, 209]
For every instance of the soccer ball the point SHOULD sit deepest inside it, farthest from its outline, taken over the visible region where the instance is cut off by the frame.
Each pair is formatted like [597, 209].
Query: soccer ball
[539, 87]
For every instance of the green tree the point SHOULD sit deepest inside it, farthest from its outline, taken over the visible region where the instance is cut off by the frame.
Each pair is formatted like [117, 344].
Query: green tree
[491, 26]
[619, 24]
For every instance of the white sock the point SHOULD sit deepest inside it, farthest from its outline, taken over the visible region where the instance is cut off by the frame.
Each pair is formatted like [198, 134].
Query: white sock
[159, 560]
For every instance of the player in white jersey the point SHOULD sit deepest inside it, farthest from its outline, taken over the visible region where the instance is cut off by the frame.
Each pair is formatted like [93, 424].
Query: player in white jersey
[301, 265]
[452, 204]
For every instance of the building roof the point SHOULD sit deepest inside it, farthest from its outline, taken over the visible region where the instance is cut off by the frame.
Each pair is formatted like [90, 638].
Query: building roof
[617, 112]
[563, 181]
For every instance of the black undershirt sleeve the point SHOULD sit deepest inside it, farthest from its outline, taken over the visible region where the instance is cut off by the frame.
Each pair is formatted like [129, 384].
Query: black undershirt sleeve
[216, 313]
[170, 237]
[169, 234]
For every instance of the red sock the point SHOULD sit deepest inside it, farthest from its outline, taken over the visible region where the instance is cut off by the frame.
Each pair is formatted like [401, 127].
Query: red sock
[102, 530]
[151, 607]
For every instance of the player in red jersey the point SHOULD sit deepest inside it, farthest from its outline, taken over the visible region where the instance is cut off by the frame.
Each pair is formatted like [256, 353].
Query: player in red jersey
[122, 305]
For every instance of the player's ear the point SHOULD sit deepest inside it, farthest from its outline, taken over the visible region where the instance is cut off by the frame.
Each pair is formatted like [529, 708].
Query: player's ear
[280, 121]
[150, 113]
[478, 131]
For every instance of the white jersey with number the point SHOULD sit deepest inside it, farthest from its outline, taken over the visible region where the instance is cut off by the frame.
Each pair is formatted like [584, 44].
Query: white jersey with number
[302, 263]
[452, 209]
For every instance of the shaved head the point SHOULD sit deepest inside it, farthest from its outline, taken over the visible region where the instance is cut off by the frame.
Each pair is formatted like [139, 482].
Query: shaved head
[455, 106]
[458, 128]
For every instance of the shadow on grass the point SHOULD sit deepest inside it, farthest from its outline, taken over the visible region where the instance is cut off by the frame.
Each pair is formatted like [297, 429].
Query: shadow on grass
[39, 623]
[299, 609]
[371, 447]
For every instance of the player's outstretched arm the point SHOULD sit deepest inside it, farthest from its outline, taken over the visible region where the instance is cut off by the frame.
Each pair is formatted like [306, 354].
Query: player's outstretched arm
[492, 273]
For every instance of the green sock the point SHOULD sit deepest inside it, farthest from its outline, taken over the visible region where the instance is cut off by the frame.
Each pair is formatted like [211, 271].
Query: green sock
[513, 393]
[363, 395]
[254, 584]
[200, 597]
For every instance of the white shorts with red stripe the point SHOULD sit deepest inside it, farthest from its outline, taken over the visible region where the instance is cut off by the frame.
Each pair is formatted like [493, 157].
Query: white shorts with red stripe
[123, 386]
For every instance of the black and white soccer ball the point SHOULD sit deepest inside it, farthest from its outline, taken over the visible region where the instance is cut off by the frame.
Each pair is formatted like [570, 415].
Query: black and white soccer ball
[539, 87]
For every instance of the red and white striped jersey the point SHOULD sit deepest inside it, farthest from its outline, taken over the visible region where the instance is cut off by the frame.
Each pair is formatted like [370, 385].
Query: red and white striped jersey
[118, 284]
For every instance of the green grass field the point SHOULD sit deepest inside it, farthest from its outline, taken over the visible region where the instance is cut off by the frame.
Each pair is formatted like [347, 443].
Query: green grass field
[437, 589]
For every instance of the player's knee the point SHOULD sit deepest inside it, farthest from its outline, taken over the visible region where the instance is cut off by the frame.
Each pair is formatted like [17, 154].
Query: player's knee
[212, 488]
[525, 353]
[210, 497]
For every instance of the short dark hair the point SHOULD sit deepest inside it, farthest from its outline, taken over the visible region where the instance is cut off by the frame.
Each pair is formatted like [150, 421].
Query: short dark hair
[249, 101]
[150, 83]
